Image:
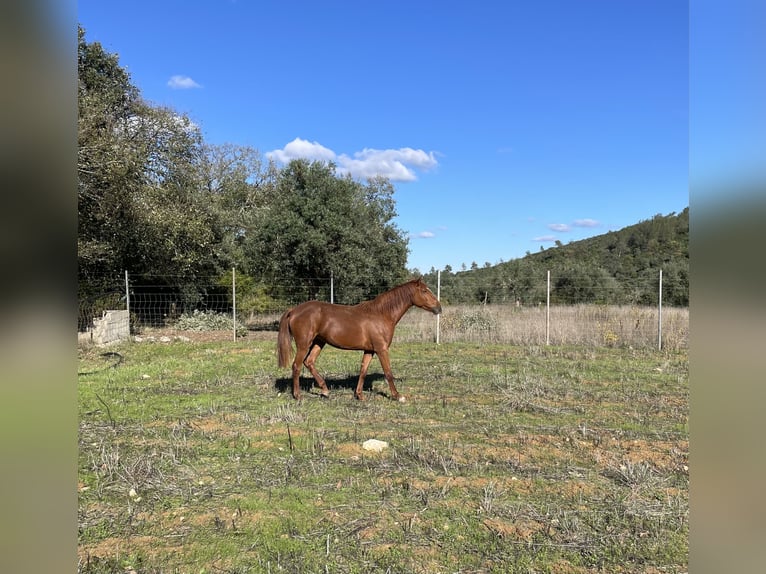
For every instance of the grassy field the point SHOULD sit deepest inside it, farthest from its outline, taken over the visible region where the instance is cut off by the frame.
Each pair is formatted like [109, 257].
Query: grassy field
[195, 458]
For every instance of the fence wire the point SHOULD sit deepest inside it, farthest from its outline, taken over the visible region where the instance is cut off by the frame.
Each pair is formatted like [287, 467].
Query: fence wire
[165, 305]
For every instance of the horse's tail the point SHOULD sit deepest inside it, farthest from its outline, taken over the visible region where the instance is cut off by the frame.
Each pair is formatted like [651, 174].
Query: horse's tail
[284, 341]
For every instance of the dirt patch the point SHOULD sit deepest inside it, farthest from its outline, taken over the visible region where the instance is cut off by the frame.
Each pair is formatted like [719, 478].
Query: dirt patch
[663, 455]
[350, 450]
[115, 547]
[518, 530]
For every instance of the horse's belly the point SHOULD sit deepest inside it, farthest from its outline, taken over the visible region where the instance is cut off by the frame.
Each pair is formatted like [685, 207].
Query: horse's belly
[350, 336]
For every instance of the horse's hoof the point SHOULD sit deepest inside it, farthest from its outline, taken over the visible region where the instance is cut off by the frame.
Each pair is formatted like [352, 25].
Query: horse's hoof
[325, 394]
[402, 399]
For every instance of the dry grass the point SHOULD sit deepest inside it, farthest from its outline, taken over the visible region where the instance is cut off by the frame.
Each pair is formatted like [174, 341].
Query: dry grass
[630, 327]
[588, 325]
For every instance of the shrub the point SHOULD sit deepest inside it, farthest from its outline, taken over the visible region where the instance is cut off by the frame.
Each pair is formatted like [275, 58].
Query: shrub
[470, 320]
[207, 321]
[253, 297]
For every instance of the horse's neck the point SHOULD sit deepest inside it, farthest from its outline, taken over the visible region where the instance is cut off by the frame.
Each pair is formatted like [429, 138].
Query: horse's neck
[394, 307]
[399, 311]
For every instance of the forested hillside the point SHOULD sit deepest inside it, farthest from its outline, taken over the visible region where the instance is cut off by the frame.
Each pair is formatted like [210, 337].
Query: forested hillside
[619, 267]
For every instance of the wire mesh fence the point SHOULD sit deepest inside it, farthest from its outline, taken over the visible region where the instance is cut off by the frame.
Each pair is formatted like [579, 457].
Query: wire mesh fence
[223, 309]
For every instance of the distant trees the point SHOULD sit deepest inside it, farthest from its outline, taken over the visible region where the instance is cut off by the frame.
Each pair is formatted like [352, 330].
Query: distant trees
[155, 199]
[619, 267]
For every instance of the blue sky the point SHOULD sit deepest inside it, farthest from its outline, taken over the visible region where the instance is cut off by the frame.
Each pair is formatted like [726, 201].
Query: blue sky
[504, 126]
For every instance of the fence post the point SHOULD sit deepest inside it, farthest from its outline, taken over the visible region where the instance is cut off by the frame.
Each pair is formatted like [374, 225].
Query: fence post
[234, 301]
[548, 311]
[332, 287]
[127, 298]
[659, 317]
[438, 296]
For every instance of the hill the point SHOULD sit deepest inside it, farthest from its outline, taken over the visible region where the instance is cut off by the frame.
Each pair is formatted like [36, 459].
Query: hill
[618, 267]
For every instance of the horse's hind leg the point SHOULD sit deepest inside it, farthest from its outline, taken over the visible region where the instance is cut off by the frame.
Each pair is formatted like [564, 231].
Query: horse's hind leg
[366, 358]
[310, 362]
[297, 368]
[303, 344]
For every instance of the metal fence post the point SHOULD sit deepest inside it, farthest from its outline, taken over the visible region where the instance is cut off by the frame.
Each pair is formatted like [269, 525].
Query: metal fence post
[234, 301]
[659, 317]
[548, 311]
[127, 298]
[438, 296]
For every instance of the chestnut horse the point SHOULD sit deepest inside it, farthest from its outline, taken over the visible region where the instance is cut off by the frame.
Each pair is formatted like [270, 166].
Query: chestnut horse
[368, 327]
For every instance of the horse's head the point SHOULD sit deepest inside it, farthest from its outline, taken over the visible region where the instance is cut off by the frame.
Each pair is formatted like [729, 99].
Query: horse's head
[423, 297]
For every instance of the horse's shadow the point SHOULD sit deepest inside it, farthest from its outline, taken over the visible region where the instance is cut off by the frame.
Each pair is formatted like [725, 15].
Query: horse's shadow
[285, 384]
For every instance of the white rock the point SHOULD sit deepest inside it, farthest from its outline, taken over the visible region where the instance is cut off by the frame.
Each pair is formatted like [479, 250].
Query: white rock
[374, 445]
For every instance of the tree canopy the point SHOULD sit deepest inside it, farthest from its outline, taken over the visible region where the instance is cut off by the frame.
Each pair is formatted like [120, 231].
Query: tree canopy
[155, 199]
[318, 223]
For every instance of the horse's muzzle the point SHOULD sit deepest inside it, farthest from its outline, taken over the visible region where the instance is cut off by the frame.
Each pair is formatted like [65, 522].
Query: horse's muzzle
[436, 310]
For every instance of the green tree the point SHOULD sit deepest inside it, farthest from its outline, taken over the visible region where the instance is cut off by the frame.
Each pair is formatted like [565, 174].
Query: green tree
[319, 224]
[108, 167]
[239, 186]
[141, 202]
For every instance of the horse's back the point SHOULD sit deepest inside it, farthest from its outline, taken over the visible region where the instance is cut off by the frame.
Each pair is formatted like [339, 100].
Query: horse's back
[309, 318]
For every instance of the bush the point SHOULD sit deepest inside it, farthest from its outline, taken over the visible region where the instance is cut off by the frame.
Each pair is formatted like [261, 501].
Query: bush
[253, 297]
[207, 321]
[470, 320]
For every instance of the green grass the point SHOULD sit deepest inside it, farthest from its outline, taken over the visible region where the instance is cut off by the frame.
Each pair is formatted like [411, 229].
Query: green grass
[195, 458]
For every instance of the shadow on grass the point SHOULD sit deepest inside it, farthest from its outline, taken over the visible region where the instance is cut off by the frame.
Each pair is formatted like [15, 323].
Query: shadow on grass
[285, 384]
[271, 326]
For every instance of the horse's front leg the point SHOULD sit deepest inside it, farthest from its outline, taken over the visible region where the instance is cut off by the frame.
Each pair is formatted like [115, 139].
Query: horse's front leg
[385, 362]
[366, 358]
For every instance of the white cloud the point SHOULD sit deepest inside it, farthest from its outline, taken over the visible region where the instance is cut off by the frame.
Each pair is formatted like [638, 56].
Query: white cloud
[425, 235]
[302, 149]
[586, 223]
[182, 83]
[545, 238]
[559, 227]
[395, 164]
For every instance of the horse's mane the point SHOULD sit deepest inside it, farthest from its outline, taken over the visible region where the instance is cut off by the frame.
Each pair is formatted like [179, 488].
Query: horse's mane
[392, 300]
